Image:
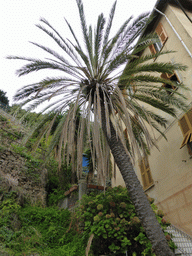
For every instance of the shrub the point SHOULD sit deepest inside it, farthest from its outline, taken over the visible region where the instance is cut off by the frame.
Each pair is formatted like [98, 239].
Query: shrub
[111, 217]
[45, 231]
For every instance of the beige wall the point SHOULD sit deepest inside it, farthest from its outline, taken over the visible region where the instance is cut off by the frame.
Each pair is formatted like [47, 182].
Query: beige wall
[171, 167]
[117, 178]
[173, 43]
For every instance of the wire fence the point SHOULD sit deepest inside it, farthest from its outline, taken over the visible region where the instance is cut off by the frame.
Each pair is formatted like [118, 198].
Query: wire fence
[182, 240]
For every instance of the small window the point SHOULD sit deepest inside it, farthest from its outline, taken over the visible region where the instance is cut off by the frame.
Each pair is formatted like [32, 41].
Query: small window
[145, 173]
[172, 77]
[157, 46]
[185, 124]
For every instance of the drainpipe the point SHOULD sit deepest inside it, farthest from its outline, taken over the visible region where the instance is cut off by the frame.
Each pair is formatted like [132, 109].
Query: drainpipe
[186, 48]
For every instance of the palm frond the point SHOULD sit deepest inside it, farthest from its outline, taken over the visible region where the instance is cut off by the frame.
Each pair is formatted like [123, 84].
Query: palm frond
[55, 54]
[157, 104]
[109, 24]
[37, 65]
[98, 40]
[61, 42]
[107, 50]
[84, 27]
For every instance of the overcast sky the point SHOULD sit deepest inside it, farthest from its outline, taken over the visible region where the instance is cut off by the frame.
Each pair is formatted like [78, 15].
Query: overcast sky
[18, 19]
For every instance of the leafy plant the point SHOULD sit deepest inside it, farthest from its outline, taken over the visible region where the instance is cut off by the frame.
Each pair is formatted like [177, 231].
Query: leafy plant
[58, 181]
[45, 231]
[111, 217]
[32, 163]
[3, 119]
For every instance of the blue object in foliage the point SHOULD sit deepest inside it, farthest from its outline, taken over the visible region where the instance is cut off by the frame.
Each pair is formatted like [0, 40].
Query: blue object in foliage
[85, 161]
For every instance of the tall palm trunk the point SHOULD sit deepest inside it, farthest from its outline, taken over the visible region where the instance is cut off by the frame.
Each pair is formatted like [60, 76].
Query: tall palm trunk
[137, 195]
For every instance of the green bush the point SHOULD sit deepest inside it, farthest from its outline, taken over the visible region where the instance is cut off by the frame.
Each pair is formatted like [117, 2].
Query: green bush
[45, 231]
[111, 217]
[51, 222]
[58, 181]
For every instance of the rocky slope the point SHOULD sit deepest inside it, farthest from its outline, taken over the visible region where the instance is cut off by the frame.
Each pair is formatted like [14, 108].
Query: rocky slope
[19, 171]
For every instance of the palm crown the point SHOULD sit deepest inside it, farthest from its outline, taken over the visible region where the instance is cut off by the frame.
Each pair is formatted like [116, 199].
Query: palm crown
[96, 82]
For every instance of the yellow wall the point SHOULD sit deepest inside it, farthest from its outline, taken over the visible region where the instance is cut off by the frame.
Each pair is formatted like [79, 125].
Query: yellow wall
[171, 167]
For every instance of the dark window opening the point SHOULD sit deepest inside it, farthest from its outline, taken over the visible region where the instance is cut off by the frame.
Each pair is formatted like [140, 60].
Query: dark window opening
[173, 78]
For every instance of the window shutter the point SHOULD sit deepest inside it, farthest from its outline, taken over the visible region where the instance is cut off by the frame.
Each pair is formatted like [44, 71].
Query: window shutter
[149, 177]
[162, 39]
[145, 173]
[161, 33]
[152, 49]
[166, 76]
[172, 77]
[185, 124]
[142, 168]
[189, 117]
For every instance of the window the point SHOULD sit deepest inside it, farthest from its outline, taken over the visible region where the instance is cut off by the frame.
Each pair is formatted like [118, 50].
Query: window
[156, 47]
[145, 173]
[172, 77]
[185, 124]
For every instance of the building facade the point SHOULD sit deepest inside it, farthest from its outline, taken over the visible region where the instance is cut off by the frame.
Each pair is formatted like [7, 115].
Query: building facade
[166, 175]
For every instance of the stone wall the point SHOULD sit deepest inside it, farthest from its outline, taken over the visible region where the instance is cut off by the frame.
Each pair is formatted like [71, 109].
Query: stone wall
[15, 176]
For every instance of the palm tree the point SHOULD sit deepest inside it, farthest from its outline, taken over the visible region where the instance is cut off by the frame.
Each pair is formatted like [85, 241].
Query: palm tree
[96, 81]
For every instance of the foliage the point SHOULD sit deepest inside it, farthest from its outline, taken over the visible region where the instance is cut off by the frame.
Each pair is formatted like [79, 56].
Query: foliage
[8, 131]
[3, 119]
[111, 217]
[32, 163]
[58, 181]
[11, 136]
[26, 117]
[3, 98]
[42, 230]
[21, 150]
[35, 230]
[7, 207]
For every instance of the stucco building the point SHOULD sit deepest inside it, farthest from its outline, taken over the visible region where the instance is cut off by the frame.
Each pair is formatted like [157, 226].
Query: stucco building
[167, 174]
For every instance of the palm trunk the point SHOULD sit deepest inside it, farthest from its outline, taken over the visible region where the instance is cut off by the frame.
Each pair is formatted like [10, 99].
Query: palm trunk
[143, 209]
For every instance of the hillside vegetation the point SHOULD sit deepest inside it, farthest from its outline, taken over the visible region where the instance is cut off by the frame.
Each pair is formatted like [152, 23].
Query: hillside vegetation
[31, 222]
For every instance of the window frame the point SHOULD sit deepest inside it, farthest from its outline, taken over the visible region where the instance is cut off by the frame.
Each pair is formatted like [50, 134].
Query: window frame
[168, 77]
[185, 123]
[162, 35]
[146, 176]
